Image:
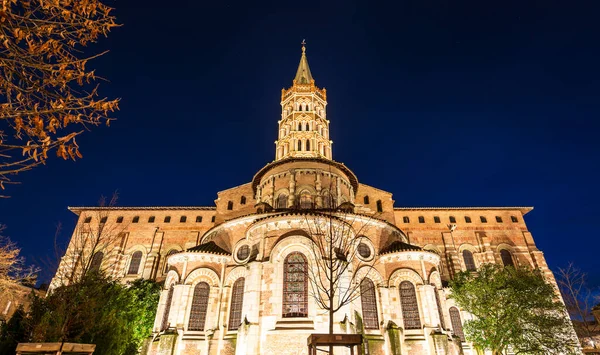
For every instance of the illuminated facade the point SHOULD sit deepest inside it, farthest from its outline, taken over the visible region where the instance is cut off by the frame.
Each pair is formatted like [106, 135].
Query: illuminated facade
[235, 274]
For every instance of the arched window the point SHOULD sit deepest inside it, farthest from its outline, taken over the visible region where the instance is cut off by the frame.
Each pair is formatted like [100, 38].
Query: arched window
[134, 265]
[469, 261]
[299, 146]
[507, 259]
[96, 261]
[295, 286]
[237, 301]
[368, 303]
[307, 145]
[171, 252]
[306, 200]
[243, 200]
[299, 126]
[379, 206]
[327, 200]
[410, 307]
[366, 200]
[230, 205]
[282, 201]
[456, 323]
[199, 307]
[165, 320]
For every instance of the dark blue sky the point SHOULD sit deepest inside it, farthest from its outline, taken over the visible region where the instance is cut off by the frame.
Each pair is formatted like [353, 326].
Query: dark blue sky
[443, 103]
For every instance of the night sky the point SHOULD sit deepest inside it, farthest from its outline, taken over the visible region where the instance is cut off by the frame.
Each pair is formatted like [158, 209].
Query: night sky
[443, 103]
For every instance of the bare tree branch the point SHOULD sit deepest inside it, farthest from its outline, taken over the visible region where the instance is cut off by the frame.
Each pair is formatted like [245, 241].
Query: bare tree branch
[46, 91]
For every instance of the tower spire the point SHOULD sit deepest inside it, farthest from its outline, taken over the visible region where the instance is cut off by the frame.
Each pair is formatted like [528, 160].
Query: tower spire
[304, 127]
[303, 75]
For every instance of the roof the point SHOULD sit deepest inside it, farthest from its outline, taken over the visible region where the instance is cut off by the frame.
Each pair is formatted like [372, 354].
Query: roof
[341, 166]
[399, 246]
[209, 248]
[303, 75]
[523, 209]
[78, 210]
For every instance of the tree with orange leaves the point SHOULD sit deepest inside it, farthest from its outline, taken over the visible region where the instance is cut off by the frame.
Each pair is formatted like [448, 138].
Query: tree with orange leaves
[48, 96]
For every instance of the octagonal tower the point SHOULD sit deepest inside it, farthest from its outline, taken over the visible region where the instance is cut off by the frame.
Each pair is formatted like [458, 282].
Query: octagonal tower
[303, 128]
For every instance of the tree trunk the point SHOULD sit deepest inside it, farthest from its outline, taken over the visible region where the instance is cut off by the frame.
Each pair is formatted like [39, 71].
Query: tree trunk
[331, 295]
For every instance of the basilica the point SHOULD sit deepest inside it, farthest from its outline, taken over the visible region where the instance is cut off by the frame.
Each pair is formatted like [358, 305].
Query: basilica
[237, 274]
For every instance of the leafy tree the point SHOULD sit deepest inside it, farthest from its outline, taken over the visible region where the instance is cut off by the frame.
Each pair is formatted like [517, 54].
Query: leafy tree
[97, 310]
[48, 95]
[13, 332]
[514, 308]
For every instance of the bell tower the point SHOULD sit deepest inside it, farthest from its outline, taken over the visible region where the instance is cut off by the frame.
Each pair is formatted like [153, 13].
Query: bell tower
[303, 128]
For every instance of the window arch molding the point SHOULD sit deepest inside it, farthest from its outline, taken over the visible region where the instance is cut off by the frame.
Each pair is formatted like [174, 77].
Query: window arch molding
[505, 246]
[467, 246]
[168, 251]
[290, 244]
[405, 274]
[510, 249]
[202, 274]
[432, 248]
[171, 279]
[369, 272]
[233, 275]
[435, 278]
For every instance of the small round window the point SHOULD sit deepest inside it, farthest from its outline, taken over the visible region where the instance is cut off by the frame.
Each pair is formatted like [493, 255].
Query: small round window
[364, 251]
[243, 252]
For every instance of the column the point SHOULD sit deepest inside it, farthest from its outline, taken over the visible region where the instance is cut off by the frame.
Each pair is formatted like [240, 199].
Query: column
[252, 307]
[292, 188]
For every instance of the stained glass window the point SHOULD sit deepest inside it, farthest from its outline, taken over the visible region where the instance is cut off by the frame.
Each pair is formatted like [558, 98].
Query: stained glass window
[282, 201]
[237, 301]
[199, 307]
[306, 200]
[165, 320]
[364, 251]
[456, 323]
[368, 302]
[328, 200]
[410, 307]
[507, 259]
[295, 286]
[96, 261]
[134, 265]
[469, 261]
[243, 253]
